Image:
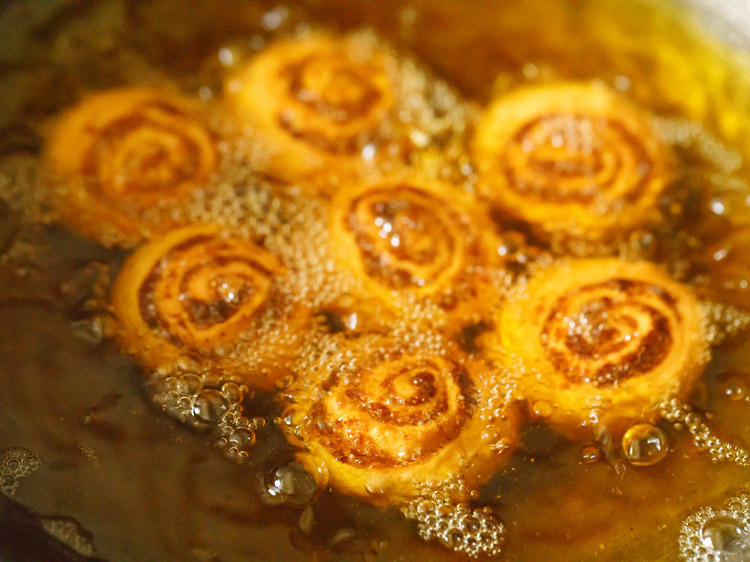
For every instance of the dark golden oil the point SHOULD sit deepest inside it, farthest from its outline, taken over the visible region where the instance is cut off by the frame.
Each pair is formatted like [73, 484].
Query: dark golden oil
[135, 485]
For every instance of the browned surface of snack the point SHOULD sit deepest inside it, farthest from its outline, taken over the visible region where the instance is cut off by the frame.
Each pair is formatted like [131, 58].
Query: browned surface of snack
[602, 343]
[415, 238]
[394, 420]
[572, 158]
[197, 290]
[122, 155]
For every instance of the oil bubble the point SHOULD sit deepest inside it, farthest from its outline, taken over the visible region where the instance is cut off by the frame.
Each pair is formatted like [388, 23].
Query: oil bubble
[295, 479]
[232, 391]
[210, 378]
[590, 454]
[164, 385]
[644, 445]
[542, 409]
[209, 406]
[725, 534]
[189, 383]
[242, 438]
[734, 389]
[453, 538]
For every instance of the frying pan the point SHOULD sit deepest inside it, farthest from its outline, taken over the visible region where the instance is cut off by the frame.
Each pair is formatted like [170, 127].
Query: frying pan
[112, 478]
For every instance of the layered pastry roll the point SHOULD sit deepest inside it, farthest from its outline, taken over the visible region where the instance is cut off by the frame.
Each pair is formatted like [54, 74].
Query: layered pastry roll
[417, 237]
[197, 290]
[331, 108]
[125, 158]
[600, 343]
[572, 159]
[392, 419]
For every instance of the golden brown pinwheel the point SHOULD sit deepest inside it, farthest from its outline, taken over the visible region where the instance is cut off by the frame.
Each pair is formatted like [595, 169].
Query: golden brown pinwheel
[198, 290]
[417, 237]
[391, 419]
[123, 159]
[601, 343]
[317, 101]
[572, 159]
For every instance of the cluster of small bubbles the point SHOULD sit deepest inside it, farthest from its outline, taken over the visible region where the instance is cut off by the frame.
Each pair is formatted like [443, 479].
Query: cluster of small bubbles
[294, 479]
[718, 534]
[322, 352]
[690, 135]
[236, 196]
[562, 244]
[644, 444]
[267, 349]
[505, 387]
[723, 322]
[243, 203]
[429, 114]
[455, 524]
[70, 533]
[209, 403]
[414, 339]
[305, 247]
[683, 416]
[88, 453]
[15, 463]
[502, 282]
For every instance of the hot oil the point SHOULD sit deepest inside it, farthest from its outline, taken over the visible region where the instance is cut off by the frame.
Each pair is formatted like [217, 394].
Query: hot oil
[139, 485]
